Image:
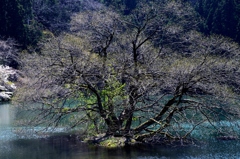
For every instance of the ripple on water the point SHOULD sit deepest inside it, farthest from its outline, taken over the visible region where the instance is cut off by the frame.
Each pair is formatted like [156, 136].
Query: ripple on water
[6, 134]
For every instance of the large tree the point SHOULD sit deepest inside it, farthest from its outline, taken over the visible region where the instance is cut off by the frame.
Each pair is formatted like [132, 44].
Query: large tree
[148, 74]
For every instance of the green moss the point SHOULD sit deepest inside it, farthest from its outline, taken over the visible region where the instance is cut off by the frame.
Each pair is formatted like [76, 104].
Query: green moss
[113, 142]
[9, 83]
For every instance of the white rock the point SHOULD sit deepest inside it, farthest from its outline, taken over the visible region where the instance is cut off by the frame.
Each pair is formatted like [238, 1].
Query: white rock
[2, 88]
[6, 87]
[6, 95]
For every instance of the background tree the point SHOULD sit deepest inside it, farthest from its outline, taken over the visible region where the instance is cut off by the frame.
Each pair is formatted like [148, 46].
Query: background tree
[17, 22]
[55, 15]
[25, 20]
[126, 5]
[220, 17]
[140, 76]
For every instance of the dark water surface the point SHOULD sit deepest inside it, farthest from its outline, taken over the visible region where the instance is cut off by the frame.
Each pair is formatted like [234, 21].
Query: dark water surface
[13, 146]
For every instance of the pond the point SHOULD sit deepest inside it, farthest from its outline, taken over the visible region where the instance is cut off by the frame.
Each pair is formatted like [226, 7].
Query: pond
[13, 146]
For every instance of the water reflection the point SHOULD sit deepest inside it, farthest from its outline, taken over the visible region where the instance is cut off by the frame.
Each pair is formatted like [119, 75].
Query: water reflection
[5, 114]
[64, 148]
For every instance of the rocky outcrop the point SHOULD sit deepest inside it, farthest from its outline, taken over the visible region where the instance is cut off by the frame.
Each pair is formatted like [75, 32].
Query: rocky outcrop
[7, 78]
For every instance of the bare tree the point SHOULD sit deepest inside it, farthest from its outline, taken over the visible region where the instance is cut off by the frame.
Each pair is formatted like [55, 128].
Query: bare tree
[141, 76]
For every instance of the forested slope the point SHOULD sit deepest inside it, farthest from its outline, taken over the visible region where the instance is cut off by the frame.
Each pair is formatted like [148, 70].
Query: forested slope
[25, 20]
[220, 17]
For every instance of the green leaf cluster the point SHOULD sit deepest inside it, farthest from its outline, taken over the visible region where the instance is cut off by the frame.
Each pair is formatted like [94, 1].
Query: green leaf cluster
[113, 91]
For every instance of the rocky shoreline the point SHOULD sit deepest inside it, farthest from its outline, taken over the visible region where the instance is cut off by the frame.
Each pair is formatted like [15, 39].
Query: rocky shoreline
[7, 86]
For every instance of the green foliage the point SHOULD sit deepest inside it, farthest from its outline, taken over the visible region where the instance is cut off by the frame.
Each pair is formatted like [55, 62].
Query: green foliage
[113, 91]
